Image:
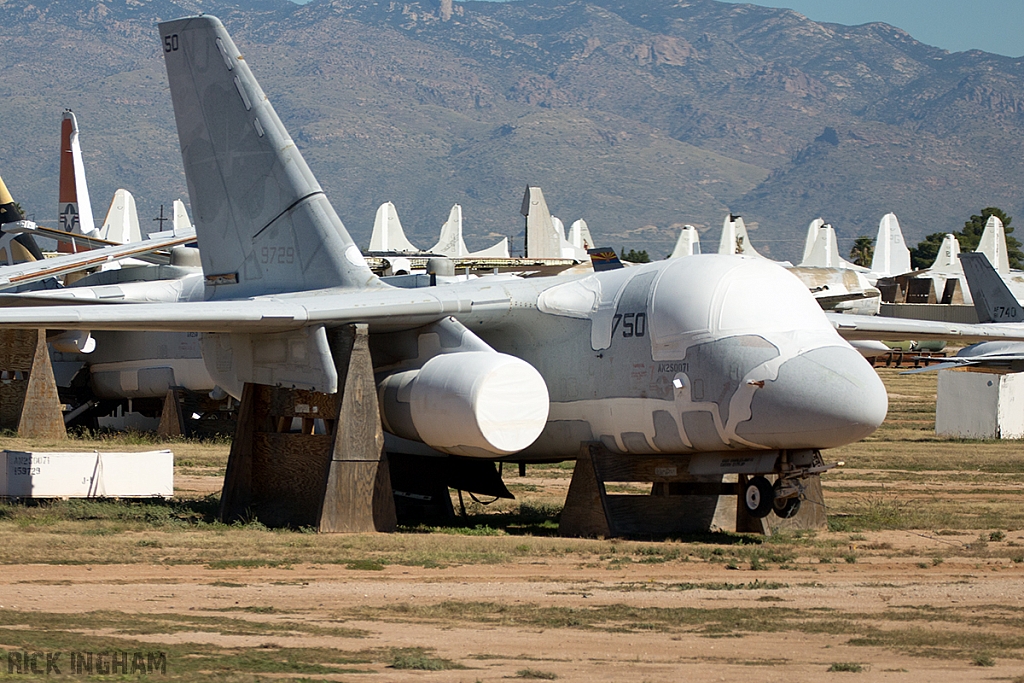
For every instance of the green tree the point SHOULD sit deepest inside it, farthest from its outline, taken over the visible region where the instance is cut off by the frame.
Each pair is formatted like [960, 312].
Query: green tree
[927, 250]
[862, 252]
[634, 256]
[923, 255]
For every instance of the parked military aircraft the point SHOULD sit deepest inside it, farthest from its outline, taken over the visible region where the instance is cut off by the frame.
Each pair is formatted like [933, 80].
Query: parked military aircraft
[994, 303]
[682, 356]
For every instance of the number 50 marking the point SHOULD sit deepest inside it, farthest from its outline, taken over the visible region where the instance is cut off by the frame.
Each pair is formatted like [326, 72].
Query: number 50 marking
[171, 43]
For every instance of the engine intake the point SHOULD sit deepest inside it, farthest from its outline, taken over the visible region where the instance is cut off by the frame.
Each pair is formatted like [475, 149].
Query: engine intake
[477, 404]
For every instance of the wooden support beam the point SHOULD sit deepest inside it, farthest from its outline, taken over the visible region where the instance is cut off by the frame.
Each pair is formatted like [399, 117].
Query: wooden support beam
[172, 421]
[336, 480]
[28, 394]
[679, 503]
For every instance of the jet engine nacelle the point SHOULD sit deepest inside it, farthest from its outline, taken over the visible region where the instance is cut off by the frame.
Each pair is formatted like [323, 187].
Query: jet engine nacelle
[477, 404]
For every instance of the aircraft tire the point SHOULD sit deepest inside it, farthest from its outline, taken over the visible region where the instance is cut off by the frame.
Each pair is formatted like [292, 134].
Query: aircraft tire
[784, 507]
[758, 497]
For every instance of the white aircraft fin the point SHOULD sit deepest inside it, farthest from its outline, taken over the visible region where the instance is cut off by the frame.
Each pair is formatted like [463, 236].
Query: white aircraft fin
[181, 221]
[388, 234]
[542, 239]
[948, 258]
[579, 235]
[450, 243]
[825, 252]
[122, 222]
[812, 237]
[688, 243]
[993, 245]
[891, 257]
[499, 250]
[735, 239]
[74, 207]
[263, 222]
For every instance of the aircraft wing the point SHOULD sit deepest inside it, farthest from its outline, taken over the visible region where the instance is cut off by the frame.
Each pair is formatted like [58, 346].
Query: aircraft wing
[86, 243]
[33, 271]
[852, 327]
[384, 309]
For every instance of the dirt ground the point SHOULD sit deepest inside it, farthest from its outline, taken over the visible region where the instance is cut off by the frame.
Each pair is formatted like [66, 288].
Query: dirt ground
[317, 595]
[919, 578]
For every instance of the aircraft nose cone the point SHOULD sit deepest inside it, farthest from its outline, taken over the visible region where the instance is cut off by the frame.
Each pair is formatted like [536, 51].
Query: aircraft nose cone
[822, 398]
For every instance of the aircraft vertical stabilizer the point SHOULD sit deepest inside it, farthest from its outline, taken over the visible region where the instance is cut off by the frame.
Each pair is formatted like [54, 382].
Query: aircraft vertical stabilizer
[542, 241]
[388, 234]
[993, 300]
[948, 258]
[579, 235]
[181, 221]
[993, 245]
[825, 252]
[262, 220]
[74, 207]
[735, 239]
[499, 250]
[450, 243]
[812, 237]
[891, 257]
[688, 243]
[122, 221]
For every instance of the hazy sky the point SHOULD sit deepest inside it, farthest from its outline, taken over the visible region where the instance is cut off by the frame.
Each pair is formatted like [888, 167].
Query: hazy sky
[954, 25]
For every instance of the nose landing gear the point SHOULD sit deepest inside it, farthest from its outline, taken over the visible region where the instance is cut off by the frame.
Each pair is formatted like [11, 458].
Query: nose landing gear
[783, 498]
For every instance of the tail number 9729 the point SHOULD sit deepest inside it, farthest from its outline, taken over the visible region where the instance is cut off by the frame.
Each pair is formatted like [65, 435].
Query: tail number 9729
[171, 43]
[633, 324]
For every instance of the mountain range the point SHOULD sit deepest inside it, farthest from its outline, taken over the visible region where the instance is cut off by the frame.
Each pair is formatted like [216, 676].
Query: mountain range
[638, 115]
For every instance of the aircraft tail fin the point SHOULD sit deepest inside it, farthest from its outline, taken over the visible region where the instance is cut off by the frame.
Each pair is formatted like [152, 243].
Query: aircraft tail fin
[122, 221]
[688, 243]
[181, 221]
[948, 258]
[388, 234]
[542, 240]
[812, 238]
[993, 300]
[262, 220]
[579, 235]
[891, 257]
[604, 259]
[74, 207]
[499, 250]
[451, 243]
[993, 245]
[735, 239]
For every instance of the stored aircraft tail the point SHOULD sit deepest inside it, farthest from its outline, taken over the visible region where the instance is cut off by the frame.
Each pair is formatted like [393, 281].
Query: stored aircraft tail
[688, 243]
[74, 210]
[993, 245]
[993, 300]
[388, 234]
[122, 221]
[891, 257]
[263, 223]
[735, 239]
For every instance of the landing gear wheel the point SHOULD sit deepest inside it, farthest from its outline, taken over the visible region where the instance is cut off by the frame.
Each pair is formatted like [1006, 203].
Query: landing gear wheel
[758, 497]
[784, 507]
